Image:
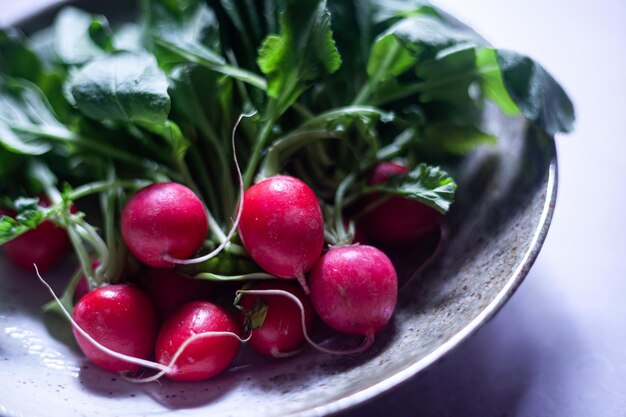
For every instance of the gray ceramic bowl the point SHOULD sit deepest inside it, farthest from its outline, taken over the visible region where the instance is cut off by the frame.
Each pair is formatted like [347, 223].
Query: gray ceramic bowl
[498, 224]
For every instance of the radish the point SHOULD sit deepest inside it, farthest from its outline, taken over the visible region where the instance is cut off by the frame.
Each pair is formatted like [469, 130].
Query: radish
[164, 219]
[281, 226]
[169, 290]
[202, 358]
[45, 245]
[397, 221]
[121, 318]
[281, 332]
[354, 289]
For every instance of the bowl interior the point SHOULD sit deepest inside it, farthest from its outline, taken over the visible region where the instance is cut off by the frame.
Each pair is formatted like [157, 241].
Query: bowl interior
[505, 200]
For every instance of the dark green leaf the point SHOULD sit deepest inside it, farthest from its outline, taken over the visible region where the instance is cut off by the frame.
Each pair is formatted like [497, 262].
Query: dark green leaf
[17, 59]
[427, 184]
[187, 29]
[303, 52]
[26, 118]
[29, 216]
[123, 86]
[73, 43]
[538, 95]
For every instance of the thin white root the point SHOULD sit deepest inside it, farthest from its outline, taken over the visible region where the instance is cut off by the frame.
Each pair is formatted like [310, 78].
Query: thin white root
[163, 369]
[179, 351]
[367, 341]
[443, 241]
[280, 355]
[117, 355]
[233, 229]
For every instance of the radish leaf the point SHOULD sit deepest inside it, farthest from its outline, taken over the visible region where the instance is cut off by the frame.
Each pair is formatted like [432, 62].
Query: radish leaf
[427, 184]
[539, 96]
[303, 52]
[122, 86]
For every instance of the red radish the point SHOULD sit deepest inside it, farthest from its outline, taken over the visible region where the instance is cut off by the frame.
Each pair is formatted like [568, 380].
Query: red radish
[354, 289]
[164, 219]
[169, 290]
[121, 318]
[202, 358]
[46, 245]
[282, 227]
[396, 221]
[281, 331]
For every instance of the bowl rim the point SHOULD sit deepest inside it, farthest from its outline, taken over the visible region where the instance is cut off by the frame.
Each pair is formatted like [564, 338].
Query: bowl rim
[360, 398]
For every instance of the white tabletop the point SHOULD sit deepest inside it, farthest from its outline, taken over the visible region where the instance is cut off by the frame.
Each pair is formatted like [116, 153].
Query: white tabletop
[558, 348]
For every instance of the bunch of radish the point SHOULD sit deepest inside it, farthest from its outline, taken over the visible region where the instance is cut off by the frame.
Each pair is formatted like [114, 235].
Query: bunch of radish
[130, 156]
[189, 325]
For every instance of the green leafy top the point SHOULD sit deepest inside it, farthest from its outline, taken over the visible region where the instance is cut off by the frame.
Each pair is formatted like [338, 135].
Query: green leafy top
[303, 52]
[429, 185]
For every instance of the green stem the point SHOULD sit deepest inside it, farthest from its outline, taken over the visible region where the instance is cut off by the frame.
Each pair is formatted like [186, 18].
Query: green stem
[326, 117]
[87, 233]
[304, 112]
[213, 224]
[286, 146]
[69, 137]
[67, 298]
[245, 277]
[205, 182]
[83, 256]
[264, 134]
[342, 233]
[107, 204]
[375, 80]
[48, 180]
[101, 186]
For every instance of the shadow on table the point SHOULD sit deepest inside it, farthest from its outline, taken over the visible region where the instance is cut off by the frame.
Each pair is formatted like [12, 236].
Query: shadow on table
[490, 374]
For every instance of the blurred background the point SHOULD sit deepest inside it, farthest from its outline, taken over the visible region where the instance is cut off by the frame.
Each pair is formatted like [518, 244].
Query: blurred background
[558, 347]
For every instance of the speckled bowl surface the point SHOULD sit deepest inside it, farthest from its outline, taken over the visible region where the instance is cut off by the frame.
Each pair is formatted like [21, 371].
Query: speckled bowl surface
[497, 226]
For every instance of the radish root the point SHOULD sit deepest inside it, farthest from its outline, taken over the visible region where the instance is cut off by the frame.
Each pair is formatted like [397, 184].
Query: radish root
[162, 369]
[443, 242]
[181, 349]
[233, 229]
[367, 341]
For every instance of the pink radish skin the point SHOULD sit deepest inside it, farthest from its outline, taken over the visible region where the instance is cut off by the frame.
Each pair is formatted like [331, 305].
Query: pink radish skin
[354, 289]
[164, 219]
[282, 227]
[281, 332]
[121, 318]
[169, 290]
[203, 358]
[397, 221]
